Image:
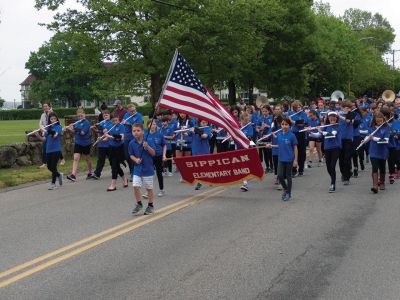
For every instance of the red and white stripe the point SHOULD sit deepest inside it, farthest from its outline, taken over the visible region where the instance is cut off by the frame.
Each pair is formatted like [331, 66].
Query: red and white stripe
[206, 107]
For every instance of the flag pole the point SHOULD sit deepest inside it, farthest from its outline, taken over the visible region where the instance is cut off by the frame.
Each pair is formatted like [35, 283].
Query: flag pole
[161, 94]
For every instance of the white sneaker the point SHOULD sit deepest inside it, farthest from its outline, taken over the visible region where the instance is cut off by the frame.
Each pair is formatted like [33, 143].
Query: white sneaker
[52, 186]
[161, 193]
[145, 196]
[181, 180]
[169, 174]
[60, 179]
[62, 162]
[244, 187]
[43, 166]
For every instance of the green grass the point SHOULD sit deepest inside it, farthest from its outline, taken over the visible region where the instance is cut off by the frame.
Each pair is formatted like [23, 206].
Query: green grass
[17, 176]
[14, 131]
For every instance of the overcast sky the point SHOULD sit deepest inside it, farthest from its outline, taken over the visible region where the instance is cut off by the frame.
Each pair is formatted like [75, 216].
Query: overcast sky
[20, 34]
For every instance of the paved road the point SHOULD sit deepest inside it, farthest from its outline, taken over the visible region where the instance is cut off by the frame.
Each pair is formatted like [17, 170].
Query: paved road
[79, 242]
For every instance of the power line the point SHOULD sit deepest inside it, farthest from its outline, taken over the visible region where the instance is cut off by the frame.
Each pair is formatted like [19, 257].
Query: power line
[173, 5]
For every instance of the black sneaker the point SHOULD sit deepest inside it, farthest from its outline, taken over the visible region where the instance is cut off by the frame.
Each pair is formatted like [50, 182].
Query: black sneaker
[301, 173]
[95, 177]
[362, 166]
[71, 177]
[355, 173]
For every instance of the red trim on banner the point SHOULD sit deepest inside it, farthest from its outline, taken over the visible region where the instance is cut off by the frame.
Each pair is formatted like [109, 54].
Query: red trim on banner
[221, 169]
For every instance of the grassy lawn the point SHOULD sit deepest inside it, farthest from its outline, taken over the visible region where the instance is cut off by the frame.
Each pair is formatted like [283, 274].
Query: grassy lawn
[17, 176]
[14, 131]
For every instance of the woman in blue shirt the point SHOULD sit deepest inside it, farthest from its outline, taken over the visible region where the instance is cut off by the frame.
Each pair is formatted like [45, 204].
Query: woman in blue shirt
[200, 141]
[82, 144]
[288, 153]
[332, 146]
[53, 148]
[103, 147]
[379, 151]
[299, 120]
[363, 129]
[314, 138]
[263, 127]
[115, 135]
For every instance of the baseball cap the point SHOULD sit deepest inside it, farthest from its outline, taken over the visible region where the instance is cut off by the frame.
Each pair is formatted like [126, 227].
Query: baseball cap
[117, 102]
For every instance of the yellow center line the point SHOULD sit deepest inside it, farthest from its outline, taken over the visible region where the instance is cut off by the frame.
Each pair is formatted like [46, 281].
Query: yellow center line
[95, 236]
[160, 214]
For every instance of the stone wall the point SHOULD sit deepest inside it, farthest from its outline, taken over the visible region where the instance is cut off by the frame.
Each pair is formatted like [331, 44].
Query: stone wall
[30, 152]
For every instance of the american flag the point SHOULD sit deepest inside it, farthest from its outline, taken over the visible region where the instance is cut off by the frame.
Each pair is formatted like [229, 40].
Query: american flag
[184, 92]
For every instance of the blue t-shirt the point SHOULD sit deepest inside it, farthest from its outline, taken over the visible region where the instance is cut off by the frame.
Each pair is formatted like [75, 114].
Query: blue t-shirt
[380, 151]
[364, 127]
[346, 130]
[137, 118]
[158, 140]
[118, 129]
[286, 143]
[396, 132]
[332, 142]
[105, 124]
[201, 145]
[264, 120]
[145, 168]
[299, 121]
[181, 139]
[54, 144]
[82, 137]
[167, 131]
[313, 123]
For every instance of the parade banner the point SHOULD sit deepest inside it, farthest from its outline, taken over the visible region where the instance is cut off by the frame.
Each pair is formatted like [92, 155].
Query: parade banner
[222, 168]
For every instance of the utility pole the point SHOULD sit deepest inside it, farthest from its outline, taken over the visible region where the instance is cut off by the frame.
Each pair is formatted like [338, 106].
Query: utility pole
[393, 58]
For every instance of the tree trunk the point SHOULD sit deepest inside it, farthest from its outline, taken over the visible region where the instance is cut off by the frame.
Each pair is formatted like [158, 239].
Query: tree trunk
[313, 94]
[232, 92]
[155, 88]
[250, 92]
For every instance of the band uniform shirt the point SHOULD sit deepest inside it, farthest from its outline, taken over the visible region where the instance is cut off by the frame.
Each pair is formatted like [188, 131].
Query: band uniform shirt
[83, 127]
[376, 150]
[54, 144]
[104, 125]
[146, 167]
[158, 140]
[346, 129]
[201, 145]
[118, 129]
[299, 121]
[286, 143]
[334, 142]
[137, 118]
[167, 131]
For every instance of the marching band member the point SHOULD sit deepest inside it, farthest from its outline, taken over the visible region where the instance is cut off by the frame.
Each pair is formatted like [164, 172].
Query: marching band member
[200, 142]
[299, 120]
[168, 133]
[288, 154]
[364, 128]
[393, 159]
[52, 138]
[379, 151]
[156, 136]
[221, 136]
[116, 135]
[263, 127]
[332, 145]
[346, 132]
[141, 153]
[103, 147]
[183, 139]
[130, 117]
[276, 124]
[314, 139]
[82, 144]
[248, 131]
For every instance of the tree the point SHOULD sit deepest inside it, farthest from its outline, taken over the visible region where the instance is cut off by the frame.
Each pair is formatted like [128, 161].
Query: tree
[2, 102]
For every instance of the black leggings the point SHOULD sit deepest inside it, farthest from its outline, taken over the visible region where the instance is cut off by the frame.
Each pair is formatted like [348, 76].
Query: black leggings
[379, 164]
[52, 160]
[301, 146]
[356, 142]
[102, 154]
[345, 159]
[168, 163]
[222, 147]
[285, 172]
[275, 160]
[331, 158]
[394, 160]
[266, 156]
[158, 164]
[117, 157]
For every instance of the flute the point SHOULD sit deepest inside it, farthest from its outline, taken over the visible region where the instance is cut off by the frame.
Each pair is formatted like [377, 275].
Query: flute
[183, 130]
[268, 135]
[316, 127]
[100, 138]
[228, 137]
[37, 130]
[367, 138]
[73, 124]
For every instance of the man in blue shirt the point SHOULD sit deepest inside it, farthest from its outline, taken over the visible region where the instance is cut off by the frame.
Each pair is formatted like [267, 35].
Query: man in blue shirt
[141, 152]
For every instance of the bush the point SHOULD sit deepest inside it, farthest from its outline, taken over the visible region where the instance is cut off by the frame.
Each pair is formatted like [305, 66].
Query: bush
[35, 113]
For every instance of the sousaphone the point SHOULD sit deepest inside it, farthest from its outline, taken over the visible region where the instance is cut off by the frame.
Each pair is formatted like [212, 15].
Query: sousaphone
[261, 101]
[336, 95]
[388, 96]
